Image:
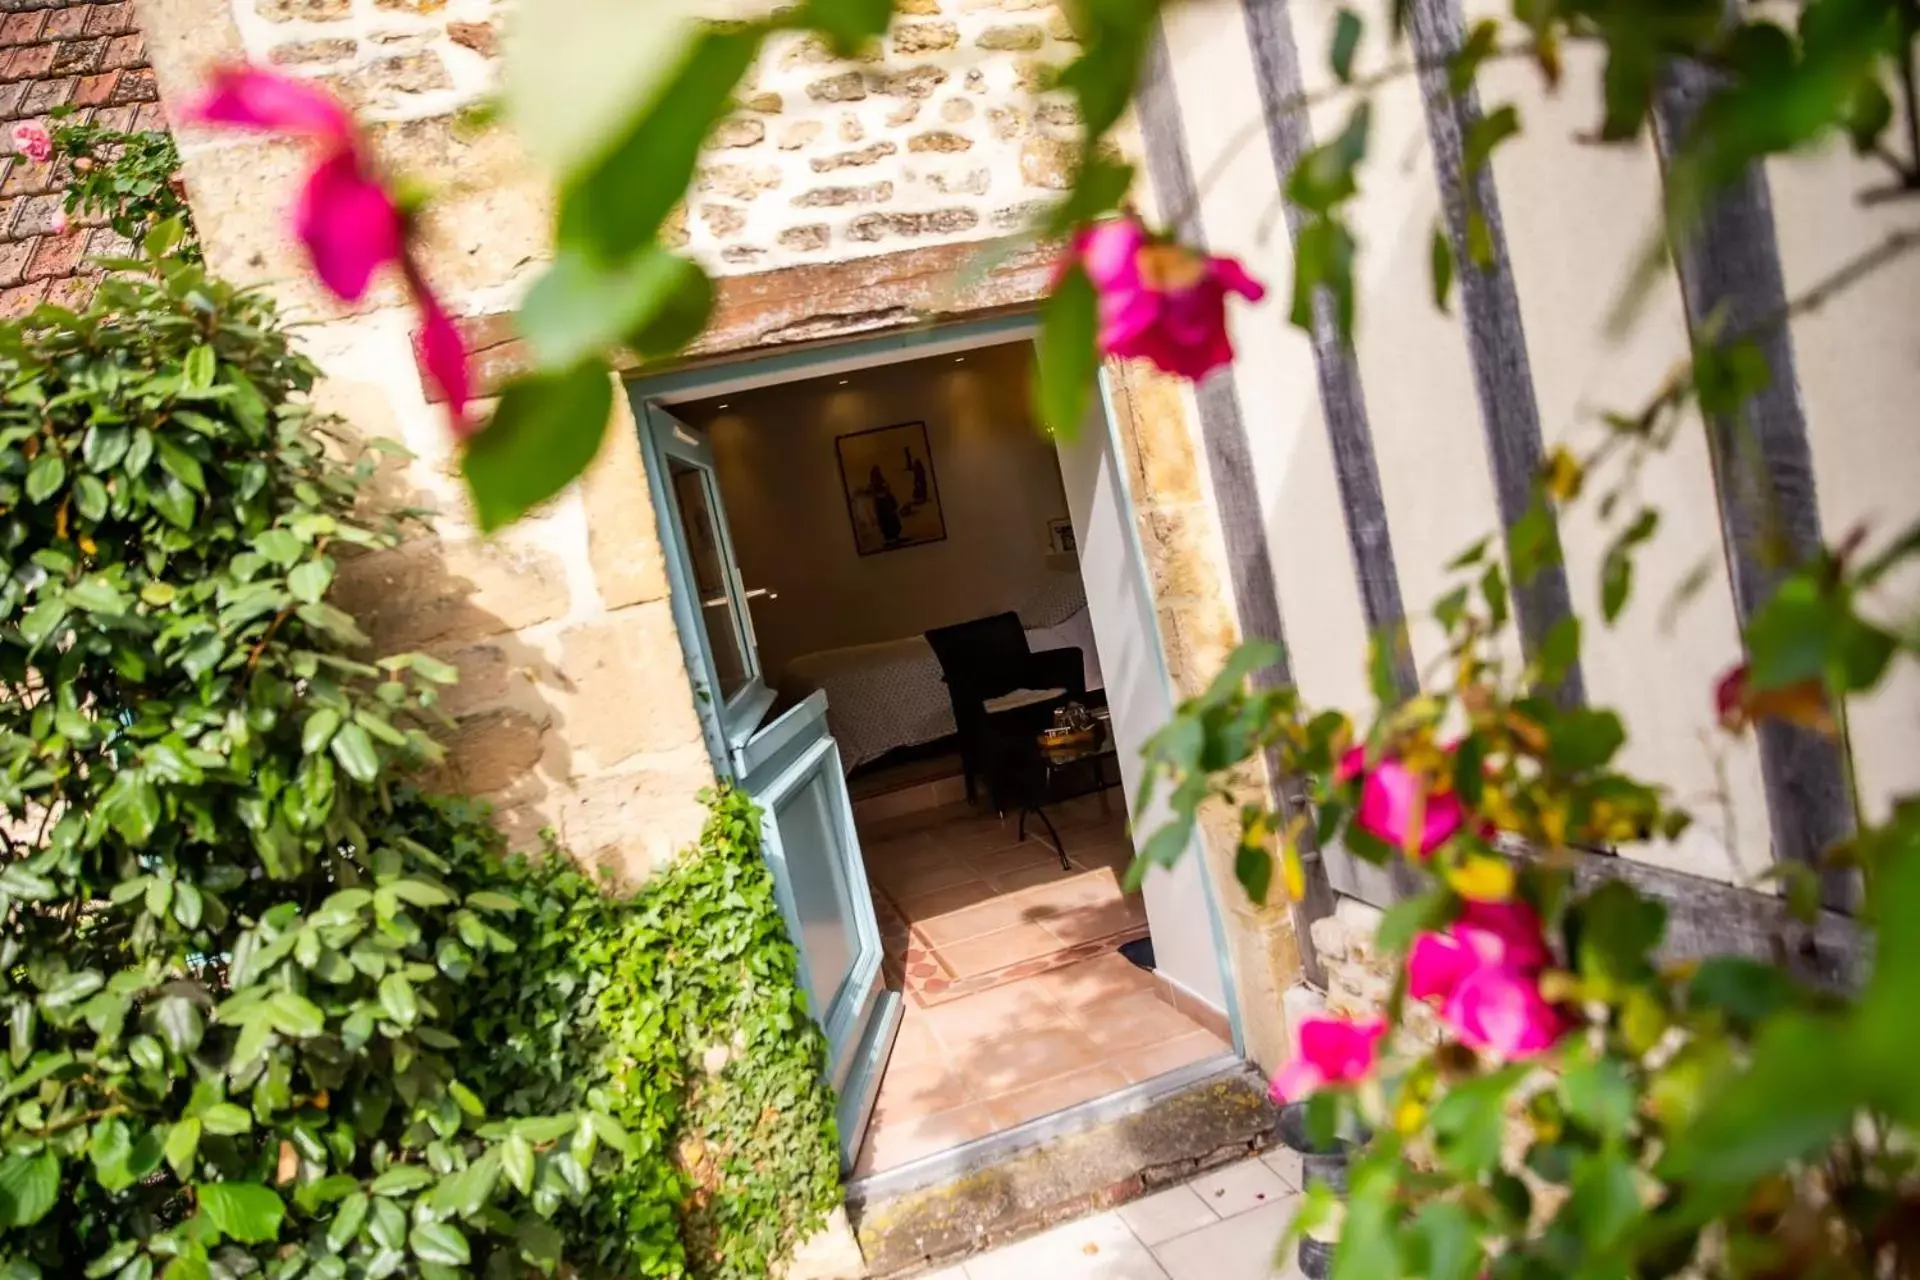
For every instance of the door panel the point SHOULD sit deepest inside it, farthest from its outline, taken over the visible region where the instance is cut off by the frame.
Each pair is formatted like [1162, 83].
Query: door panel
[789, 765]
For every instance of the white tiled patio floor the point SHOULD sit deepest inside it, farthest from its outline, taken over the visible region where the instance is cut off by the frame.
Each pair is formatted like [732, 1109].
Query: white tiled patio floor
[1221, 1226]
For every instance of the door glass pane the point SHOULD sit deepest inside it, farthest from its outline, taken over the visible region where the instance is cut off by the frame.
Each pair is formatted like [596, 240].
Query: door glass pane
[816, 859]
[700, 532]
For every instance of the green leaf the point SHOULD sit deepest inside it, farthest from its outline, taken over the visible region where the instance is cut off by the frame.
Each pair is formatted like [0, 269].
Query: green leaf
[1408, 917]
[516, 1161]
[579, 309]
[183, 1143]
[29, 1185]
[318, 731]
[45, 476]
[420, 893]
[295, 1015]
[310, 579]
[181, 465]
[440, 1243]
[1441, 256]
[226, 1119]
[1347, 29]
[1599, 1095]
[488, 900]
[1486, 134]
[1449, 1241]
[400, 1179]
[397, 999]
[1467, 1122]
[544, 432]
[613, 57]
[246, 1211]
[617, 206]
[848, 23]
[90, 497]
[347, 1220]
[1613, 931]
[1585, 739]
[1605, 1200]
[1253, 868]
[1068, 359]
[1747, 991]
[201, 365]
[354, 750]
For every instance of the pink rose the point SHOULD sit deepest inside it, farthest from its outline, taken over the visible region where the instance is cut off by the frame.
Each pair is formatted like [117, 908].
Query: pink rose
[249, 98]
[349, 225]
[61, 224]
[1501, 1011]
[31, 139]
[1333, 1051]
[444, 356]
[1161, 301]
[1389, 797]
[1484, 973]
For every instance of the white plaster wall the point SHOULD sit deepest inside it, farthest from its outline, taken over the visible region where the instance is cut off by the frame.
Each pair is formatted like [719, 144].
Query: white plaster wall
[1576, 216]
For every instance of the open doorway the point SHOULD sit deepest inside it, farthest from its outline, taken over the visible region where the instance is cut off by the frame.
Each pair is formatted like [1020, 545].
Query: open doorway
[878, 520]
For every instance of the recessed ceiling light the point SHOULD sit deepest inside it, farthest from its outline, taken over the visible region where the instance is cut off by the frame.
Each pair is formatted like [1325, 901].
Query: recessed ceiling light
[959, 359]
[723, 406]
[843, 382]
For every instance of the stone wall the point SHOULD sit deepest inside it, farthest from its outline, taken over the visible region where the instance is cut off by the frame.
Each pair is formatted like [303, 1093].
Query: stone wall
[91, 58]
[937, 134]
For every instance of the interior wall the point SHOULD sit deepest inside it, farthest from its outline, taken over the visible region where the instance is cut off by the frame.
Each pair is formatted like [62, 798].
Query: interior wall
[996, 474]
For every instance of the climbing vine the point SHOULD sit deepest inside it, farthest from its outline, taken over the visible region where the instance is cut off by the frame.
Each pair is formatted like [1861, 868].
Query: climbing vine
[130, 179]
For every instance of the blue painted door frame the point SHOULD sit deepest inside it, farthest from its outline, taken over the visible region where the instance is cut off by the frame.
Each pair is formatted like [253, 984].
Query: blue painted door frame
[790, 766]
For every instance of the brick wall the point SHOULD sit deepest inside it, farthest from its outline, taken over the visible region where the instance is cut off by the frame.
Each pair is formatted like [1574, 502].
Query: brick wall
[938, 134]
[56, 53]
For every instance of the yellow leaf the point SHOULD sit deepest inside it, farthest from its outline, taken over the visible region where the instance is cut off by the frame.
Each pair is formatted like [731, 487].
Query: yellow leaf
[1564, 476]
[1482, 879]
[1292, 873]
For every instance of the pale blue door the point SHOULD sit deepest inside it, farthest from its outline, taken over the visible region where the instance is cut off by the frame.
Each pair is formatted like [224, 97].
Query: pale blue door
[788, 763]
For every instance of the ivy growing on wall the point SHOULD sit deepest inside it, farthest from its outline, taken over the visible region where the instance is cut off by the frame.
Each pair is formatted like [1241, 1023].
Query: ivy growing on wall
[268, 1008]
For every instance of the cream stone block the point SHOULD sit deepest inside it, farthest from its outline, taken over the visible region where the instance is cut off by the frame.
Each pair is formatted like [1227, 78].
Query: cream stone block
[623, 539]
[628, 824]
[626, 687]
[433, 592]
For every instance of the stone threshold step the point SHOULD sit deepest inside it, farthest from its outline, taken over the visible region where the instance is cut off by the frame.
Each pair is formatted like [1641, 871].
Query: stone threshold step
[1092, 1158]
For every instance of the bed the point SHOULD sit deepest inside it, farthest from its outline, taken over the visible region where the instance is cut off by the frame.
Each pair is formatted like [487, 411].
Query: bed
[882, 697]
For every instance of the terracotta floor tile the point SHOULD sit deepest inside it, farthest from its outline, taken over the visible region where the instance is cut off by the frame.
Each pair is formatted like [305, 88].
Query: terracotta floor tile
[1086, 923]
[1133, 1021]
[891, 1144]
[915, 1041]
[924, 904]
[1002, 1066]
[1057, 1094]
[1144, 1064]
[1002, 912]
[1036, 873]
[1087, 889]
[942, 875]
[1091, 981]
[914, 1089]
[998, 949]
[1018, 1007]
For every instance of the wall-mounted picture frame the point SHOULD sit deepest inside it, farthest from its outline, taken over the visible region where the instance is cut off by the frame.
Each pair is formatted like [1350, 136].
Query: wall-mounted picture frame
[1060, 539]
[893, 497]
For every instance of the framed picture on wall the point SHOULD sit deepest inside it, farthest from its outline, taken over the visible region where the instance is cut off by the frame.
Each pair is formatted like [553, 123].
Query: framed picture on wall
[892, 496]
[1060, 539]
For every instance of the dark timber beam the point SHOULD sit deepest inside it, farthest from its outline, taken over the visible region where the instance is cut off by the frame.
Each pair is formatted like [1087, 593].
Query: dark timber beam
[1731, 276]
[1236, 497]
[1276, 60]
[1490, 306]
